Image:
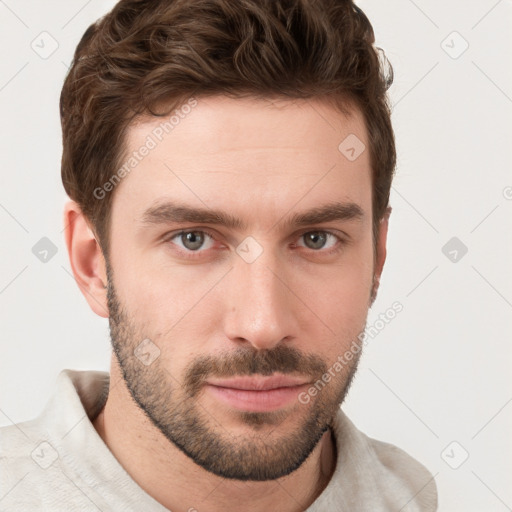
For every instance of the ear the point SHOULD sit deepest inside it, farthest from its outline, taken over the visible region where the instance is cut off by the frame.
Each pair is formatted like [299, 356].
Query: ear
[380, 252]
[86, 258]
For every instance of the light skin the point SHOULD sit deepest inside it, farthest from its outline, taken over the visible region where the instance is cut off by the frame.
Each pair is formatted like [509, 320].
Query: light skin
[199, 301]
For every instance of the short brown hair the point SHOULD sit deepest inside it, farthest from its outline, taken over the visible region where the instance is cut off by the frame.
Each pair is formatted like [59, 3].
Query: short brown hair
[145, 55]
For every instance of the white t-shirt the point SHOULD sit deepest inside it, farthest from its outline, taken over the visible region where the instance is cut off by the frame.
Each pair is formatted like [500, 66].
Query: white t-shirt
[58, 462]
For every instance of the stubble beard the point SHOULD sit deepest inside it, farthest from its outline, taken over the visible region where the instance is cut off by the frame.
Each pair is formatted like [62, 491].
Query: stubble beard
[271, 451]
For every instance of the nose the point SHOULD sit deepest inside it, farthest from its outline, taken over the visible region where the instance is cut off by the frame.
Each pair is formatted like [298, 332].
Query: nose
[261, 309]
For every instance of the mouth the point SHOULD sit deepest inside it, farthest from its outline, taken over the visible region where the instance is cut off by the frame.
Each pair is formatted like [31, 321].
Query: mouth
[257, 393]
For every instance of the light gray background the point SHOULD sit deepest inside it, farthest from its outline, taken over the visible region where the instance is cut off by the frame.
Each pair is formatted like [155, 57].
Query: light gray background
[434, 375]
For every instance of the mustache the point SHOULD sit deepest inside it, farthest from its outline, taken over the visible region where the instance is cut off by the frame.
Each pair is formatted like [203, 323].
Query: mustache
[244, 362]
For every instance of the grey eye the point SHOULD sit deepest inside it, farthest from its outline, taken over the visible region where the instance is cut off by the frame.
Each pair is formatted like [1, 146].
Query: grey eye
[315, 239]
[192, 240]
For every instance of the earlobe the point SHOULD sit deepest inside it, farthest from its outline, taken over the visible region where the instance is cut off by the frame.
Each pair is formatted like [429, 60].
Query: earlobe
[86, 258]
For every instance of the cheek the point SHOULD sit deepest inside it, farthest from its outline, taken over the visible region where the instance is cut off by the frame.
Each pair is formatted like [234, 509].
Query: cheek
[342, 304]
[341, 293]
[175, 311]
[157, 291]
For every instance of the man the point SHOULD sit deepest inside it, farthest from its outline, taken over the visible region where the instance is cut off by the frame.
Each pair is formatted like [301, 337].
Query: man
[229, 167]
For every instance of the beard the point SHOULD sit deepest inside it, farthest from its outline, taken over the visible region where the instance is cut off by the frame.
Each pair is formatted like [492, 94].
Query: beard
[172, 404]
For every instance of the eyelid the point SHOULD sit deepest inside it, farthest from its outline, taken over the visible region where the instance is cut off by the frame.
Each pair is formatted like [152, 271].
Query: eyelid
[334, 232]
[171, 235]
[341, 237]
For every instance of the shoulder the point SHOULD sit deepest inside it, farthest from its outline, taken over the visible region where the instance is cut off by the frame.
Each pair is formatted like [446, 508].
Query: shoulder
[26, 457]
[34, 453]
[406, 475]
[379, 476]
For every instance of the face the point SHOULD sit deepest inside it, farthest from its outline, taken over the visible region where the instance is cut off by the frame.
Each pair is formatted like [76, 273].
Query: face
[241, 270]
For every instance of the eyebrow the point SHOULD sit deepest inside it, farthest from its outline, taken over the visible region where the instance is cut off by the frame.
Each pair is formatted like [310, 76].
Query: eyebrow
[172, 212]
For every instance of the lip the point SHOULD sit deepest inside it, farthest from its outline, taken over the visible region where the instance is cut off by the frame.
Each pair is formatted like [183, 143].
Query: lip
[259, 383]
[257, 394]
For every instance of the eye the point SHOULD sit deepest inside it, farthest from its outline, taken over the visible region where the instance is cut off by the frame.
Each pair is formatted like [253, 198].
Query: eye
[192, 240]
[317, 240]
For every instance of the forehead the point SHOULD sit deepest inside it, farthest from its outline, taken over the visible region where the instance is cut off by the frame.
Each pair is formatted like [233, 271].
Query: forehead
[220, 124]
[268, 154]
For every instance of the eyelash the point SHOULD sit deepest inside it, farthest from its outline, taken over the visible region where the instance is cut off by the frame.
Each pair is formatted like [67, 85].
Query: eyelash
[196, 254]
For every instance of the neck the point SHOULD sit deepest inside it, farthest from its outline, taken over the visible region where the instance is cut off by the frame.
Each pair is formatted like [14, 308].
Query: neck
[179, 484]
